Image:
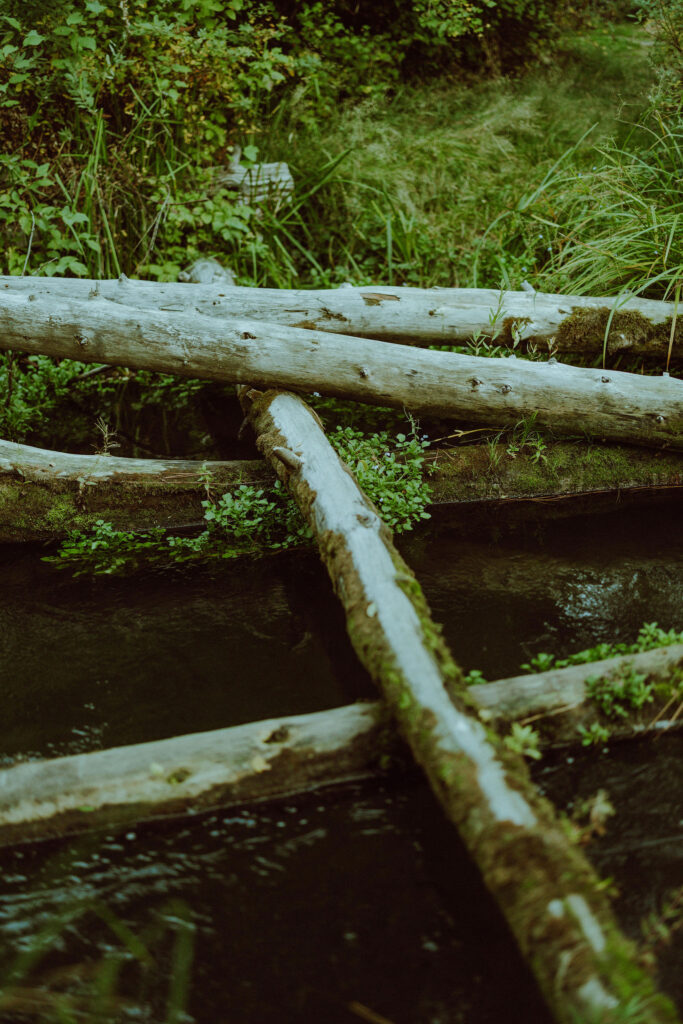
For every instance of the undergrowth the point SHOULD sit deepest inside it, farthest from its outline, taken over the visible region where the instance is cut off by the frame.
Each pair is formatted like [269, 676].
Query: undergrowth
[251, 521]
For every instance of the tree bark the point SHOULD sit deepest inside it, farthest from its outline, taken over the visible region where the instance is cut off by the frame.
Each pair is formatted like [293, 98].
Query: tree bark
[44, 495]
[548, 892]
[498, 392]
[437, 316]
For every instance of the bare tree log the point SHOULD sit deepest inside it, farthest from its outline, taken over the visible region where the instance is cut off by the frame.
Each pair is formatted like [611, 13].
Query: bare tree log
[548, 893]
[276, 758]
[44, 494]
[437, 316]
[499, 392]
[243, 764]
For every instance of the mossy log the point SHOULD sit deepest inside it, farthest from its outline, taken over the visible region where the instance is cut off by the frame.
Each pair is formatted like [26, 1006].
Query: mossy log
[437, 316]
[44, 494]
[610, 404]
[279, 757]
[546, 889]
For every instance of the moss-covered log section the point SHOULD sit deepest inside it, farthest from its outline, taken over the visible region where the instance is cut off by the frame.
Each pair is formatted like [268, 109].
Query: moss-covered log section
[559, 702]
[546, 889]
[565, 323]
[44, 494]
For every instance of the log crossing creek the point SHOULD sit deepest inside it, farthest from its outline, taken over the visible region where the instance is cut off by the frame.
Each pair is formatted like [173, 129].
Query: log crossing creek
[252, 721]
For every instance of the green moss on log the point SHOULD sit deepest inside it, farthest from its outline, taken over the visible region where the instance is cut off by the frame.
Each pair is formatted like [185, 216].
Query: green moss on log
[629, 331]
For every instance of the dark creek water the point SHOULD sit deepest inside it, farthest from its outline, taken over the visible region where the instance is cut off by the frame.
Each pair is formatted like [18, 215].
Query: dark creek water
[333, 907]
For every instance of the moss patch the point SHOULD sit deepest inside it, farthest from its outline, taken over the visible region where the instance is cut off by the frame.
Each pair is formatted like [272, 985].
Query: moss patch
[630, 331]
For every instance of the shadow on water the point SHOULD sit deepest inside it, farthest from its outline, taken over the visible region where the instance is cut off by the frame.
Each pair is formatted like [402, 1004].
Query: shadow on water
[328, 907]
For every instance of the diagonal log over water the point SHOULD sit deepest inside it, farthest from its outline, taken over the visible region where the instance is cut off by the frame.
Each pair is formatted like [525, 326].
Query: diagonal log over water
[545, 888]
[499, 392]
[576, 323]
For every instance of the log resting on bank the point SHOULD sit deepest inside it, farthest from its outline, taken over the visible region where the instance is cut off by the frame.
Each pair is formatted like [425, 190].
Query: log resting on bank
[436, 316]
[547, 891]
[606, 404]
[280, 757]
[44, 495]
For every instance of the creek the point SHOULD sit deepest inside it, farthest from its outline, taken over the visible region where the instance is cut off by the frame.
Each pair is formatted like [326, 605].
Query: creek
[343, 903]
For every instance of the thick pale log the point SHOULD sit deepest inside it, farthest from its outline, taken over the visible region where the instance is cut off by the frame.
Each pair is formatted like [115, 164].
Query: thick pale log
[276, 758]
[243, 764]
[44, 494]
[547, 891]
[498, 392]
[437, 316]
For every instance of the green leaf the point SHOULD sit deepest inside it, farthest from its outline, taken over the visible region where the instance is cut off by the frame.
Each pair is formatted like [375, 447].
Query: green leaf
[34, 38]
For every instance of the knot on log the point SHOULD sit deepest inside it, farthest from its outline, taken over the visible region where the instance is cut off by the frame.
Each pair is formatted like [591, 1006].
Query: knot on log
[288, 458]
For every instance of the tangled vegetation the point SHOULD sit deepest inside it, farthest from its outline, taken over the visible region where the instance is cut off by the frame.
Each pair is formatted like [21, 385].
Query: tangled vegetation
[250, 521]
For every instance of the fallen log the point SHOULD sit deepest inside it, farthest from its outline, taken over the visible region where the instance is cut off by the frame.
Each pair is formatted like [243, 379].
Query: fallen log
[498, 392]
[277, 758]
[44, 495]
[186, 774]
[557, 701]
[437, 316]
[548, 892]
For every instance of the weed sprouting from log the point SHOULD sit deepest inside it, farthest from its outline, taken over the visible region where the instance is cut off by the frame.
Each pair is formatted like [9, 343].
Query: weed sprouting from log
[650, 636]
[524, 740]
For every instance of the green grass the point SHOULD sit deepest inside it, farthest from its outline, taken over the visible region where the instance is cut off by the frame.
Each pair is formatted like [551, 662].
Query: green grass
[430, 190]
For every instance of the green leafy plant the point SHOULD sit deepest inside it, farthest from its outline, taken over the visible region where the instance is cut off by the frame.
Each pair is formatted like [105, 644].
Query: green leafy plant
[619, 695]
[251, 521]
[650, 636]
[524, 740]
[594, 735]
[390, 471]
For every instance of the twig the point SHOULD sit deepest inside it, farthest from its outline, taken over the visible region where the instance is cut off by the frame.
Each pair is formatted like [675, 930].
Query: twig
[30, 243]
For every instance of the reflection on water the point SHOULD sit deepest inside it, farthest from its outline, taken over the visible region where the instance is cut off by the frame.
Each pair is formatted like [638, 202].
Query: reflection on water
[559, 586]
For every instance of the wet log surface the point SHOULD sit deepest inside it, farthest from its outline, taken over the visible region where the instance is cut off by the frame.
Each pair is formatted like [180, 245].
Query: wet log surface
[45, 494]
[547, 891]
[603, 404]
[440, 316]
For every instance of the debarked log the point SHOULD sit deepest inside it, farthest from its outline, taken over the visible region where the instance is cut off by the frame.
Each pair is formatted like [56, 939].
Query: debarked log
[547, 891]
[44, 495]
[243, 764]
[498, 392]
[437, 316]
[272, 759]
